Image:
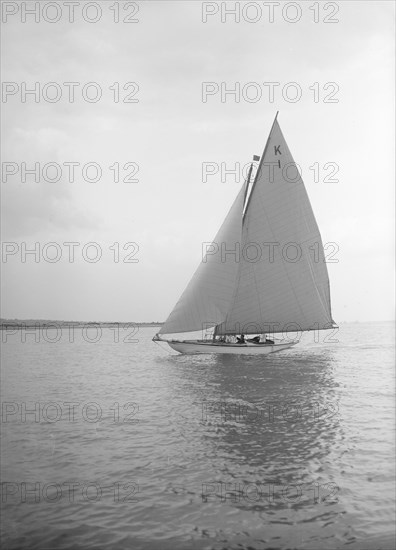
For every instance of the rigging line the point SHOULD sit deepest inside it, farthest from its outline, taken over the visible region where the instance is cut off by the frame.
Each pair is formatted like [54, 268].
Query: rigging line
[164, 349]
[258, 173]
[238, 274]
[247, 187]
[254, 272]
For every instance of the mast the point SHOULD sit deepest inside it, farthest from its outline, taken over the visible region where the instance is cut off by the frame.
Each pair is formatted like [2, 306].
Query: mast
[247, 183]
[259, 166]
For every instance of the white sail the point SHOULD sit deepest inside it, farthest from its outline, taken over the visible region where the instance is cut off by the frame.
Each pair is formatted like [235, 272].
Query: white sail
[282, 279]
[207, 298]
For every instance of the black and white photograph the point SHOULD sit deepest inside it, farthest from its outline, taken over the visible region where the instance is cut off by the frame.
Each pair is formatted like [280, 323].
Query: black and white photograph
[198, 275]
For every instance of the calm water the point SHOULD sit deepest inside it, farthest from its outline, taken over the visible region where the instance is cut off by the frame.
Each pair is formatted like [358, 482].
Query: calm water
[294, 450]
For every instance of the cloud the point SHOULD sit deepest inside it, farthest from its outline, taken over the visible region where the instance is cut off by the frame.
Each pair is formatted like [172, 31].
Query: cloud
[170, 132]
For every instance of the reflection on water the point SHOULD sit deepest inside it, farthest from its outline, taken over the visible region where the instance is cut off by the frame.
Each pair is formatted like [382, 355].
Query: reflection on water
[291, 450]
[267, 431]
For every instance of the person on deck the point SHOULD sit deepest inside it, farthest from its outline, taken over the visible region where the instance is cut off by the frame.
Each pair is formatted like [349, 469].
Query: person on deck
[241, 340]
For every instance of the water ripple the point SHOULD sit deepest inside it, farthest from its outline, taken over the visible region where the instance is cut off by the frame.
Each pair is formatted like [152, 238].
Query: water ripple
[292, 451]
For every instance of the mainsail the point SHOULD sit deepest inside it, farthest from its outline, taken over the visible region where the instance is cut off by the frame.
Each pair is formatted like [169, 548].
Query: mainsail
[207, 298]
[272, 276]
[282, 281]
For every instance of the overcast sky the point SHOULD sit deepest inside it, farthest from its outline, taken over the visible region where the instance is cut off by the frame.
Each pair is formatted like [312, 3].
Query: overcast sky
[170, 132]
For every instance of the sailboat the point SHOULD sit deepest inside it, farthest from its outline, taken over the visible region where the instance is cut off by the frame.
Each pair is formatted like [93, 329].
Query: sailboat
[263, 274]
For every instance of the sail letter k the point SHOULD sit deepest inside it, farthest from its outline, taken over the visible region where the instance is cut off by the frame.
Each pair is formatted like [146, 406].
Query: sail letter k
[277, 150]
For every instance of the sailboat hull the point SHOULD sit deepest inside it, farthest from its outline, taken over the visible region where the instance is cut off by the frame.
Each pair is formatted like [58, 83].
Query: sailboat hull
[195, 347]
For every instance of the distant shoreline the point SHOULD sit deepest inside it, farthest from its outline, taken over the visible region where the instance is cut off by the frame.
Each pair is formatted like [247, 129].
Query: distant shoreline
[39, 323]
